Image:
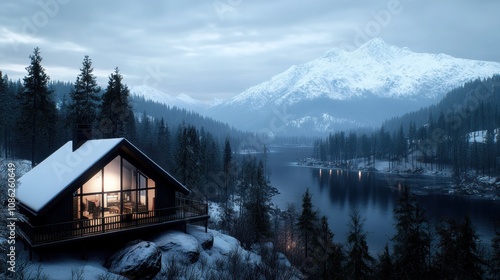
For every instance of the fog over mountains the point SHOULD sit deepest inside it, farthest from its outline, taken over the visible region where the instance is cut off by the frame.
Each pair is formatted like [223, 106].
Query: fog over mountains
[341, 90]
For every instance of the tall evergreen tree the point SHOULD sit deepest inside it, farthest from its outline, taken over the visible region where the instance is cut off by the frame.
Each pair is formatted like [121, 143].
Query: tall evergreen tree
[359, 263]
[38, 114]
[163, 145]
[495, 256]
[458, 253]
[227, 169]
[327, 256]
[84, 103]
[116, 117]
[186, 156]
[258, 206]
[412, 239]
[145, 129]
[4, 114]
[307, 222]
[385, 266]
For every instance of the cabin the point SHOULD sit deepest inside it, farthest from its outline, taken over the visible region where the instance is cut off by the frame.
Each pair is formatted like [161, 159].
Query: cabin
[95, 188]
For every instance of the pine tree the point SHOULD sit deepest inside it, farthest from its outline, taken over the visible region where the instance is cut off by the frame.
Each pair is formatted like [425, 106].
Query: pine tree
[227, 168]
[84, 96]
[458, 256]
[4, 114]
[327, 257]
[145, 142]
[307, 222]
[358, 260]
[412, 239]
[258, 206]
[385, 266]
[38, 114]
[489, 151]
[401, 146]
[469, 254]
[116, 117]
[13, 146]
[187, 156]
[163, 145]
[495, 256]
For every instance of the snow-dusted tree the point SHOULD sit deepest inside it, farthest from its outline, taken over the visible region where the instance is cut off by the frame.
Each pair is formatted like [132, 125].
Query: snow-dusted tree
[38, 113]
[84, 97]
[116, 118]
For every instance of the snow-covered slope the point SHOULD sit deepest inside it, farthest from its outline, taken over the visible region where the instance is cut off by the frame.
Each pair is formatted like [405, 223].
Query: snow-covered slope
[362, 87]
[181, 101]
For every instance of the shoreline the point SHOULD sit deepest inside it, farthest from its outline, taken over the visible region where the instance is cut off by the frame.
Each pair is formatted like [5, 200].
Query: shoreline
[477, 186]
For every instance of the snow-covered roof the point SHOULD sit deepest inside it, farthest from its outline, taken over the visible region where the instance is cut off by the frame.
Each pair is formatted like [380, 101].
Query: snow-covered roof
[44, 182]
[49, 178]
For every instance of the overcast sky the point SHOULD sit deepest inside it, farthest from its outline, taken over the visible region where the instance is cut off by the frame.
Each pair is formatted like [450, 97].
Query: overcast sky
[217, 49]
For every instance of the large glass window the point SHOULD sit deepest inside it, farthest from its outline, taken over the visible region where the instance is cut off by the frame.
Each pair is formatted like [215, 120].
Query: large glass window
[94, 184]
[112, 175]
[129, 176]
[119, 188]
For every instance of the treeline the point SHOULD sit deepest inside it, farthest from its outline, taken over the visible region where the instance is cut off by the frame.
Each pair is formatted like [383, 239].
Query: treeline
[443, 139]
[451, 250]
[39, 115]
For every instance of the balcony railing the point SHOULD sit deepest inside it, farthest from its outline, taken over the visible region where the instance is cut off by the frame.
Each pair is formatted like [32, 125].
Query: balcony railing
[51, 233]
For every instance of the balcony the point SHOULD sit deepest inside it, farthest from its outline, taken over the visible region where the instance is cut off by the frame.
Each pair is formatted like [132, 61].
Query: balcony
[50, 234]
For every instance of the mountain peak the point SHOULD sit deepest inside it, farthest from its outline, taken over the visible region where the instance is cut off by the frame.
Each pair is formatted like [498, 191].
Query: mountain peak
[377, 73]
[375, 43]
[380, 50]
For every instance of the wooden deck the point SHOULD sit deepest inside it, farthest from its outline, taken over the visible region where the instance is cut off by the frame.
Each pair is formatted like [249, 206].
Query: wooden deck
[47, 235]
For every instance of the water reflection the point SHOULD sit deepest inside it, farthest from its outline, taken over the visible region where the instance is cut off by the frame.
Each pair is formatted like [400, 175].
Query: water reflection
[335, 192]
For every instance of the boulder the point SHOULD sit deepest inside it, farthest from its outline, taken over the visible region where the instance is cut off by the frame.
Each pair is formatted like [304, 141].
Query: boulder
[206, 239]
[137, 260]
[179, 245]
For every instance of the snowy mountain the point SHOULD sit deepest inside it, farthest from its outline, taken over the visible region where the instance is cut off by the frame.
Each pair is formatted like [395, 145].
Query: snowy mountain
[181, 101]
[343, 90]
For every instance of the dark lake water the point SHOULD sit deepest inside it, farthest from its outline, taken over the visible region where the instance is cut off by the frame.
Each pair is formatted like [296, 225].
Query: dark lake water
[335, 193]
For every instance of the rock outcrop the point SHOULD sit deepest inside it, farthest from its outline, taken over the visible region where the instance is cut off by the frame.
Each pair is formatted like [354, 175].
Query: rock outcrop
[137, 260]
[184, 247]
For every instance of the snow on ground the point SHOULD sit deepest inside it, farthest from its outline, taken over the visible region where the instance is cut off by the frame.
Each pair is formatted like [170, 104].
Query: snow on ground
[176, 246]
[62, 266]
[215, 212]
[481, 135]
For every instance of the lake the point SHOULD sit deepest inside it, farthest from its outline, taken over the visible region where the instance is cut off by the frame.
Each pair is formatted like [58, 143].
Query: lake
[335, 193]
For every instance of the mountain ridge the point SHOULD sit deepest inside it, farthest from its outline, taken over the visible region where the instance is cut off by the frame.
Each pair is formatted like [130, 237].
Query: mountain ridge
[375, 73]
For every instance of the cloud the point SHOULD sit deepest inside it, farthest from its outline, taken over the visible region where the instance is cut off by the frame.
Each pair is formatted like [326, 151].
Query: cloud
[196, 48]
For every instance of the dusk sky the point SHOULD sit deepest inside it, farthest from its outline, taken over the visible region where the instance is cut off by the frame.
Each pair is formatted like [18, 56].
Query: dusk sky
[217, 49]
